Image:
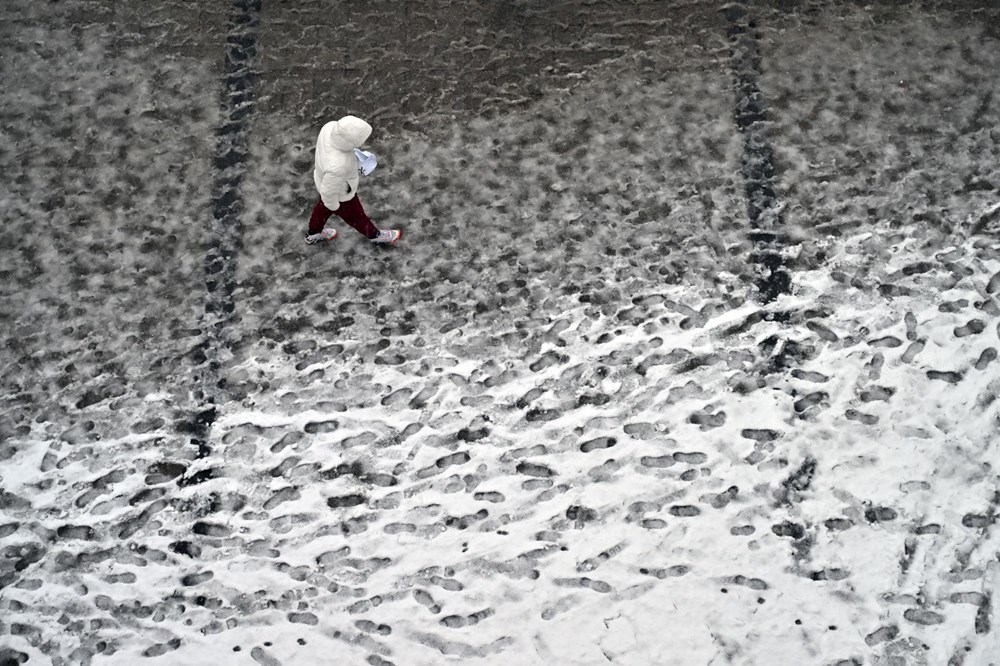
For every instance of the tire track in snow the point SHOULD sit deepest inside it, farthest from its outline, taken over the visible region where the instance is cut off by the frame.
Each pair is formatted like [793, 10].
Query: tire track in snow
[225, 230]
[758, 157]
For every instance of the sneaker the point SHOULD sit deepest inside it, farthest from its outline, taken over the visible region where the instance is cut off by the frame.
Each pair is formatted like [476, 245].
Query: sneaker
[389, 236]
[325, 235]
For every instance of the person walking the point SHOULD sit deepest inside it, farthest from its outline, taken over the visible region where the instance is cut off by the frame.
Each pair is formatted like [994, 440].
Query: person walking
[337, 174]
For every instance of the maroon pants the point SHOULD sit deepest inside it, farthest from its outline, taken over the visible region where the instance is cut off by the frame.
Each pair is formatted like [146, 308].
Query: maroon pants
[349, 211]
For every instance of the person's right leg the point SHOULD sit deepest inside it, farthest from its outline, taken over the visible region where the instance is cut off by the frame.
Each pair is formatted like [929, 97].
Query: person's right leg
[319, 217]
[317, 222]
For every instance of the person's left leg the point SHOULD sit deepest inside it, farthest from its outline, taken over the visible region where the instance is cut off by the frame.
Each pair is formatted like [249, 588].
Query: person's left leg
[353, 213]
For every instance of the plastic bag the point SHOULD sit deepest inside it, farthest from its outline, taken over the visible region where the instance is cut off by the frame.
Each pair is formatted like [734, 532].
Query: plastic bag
[366, 161]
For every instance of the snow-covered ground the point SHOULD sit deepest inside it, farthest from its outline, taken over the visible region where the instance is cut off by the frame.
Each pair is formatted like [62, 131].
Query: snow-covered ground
[555, 425]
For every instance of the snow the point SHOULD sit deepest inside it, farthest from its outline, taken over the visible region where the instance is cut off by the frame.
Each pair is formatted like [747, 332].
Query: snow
[554, 425]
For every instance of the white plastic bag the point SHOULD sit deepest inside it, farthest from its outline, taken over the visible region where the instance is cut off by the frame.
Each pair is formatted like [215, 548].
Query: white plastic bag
[366, 161]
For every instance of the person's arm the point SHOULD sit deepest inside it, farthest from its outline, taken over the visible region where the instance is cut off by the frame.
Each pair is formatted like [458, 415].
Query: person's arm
[333, 185]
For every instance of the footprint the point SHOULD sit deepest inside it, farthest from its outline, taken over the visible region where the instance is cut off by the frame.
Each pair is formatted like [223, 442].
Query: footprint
[73, 532]
[752, 583]
[161, 649]
[789, 529]
[988, 356]
[674, 571]
[882, 635]
[561, 606]
[458, 621]
[534, 469]
[641, 430]
[598, 444]
[722, 500]
[397, 397]
[360, 606]
[541, 415]
[420, 400]
[876, 393]
[822, 331]
[163, 471]
[993, 286]
[529, 397]
[399, 528]
[284, 495]
[912, 350]
[922, 616]
[458, 458]
[321, 427]
[463, 522]
[286, 441]
[880, 514]
[303, 618]
[810, 400]
[596, 585]
[262, 657]
[759, 435]
[370, 627]
[888, 342]
[592, 563]
[977, 520]
[694, 458]
[548, 360]
[973, 327]
[974, 598]
[449, 584]
[861, 417]
[191, 580]
[707, 421]
[810, 376]
[493, 497]
[425, 599]
[832, 574]
[910, 320]
[945, 376]
[345, 501]
[657, 461]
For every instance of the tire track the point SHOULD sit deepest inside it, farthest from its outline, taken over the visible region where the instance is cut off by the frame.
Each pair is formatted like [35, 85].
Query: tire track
[758, 158]
[225, 231]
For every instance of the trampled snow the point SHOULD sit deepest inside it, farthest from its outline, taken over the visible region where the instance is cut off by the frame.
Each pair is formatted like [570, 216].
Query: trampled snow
[554, 425]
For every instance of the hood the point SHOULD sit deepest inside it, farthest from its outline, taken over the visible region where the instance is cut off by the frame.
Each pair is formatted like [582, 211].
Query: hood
[348, 133]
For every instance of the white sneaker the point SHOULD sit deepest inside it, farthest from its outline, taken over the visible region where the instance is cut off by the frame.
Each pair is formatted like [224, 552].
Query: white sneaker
[389, 236]
[325, 235]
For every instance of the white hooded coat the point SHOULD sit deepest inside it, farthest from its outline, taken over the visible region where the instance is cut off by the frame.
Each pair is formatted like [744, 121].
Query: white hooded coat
[336, 171]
